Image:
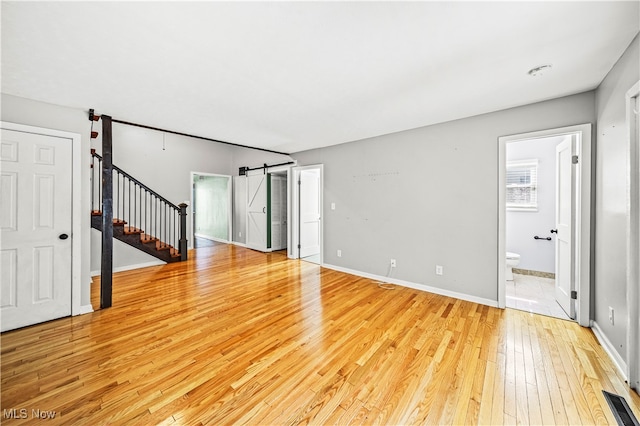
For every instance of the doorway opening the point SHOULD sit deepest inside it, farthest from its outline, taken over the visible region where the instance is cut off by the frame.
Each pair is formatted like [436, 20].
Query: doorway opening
[544, 222]
[210, 209]
[531, 232]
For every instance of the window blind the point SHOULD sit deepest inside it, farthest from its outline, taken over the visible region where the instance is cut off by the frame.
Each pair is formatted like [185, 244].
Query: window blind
[522, 184]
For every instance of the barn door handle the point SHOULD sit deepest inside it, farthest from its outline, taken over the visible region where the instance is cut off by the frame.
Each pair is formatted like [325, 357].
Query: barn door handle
[63, 236]
[554, 231]
[264, 210]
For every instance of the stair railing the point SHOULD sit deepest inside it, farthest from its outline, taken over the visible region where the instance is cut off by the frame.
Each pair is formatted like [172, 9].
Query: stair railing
[141, 210]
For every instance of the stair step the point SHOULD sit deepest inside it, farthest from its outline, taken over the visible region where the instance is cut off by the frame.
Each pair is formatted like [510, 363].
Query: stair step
[145, 238]
[163, 246]
[116, 221]
[130, 230]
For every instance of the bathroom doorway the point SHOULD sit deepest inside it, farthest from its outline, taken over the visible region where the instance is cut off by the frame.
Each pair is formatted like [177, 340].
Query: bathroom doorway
[544, 222]
[531, 225]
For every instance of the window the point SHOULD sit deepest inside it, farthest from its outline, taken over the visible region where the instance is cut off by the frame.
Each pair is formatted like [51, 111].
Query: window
[522, 185]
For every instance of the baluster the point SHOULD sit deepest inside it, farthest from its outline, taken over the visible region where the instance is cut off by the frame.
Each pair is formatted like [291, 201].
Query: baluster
[93, 182]
[129, 191]
[100, 184]
[146, 210]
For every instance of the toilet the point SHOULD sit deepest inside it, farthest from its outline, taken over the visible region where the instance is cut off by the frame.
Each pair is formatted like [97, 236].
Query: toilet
[513, 259]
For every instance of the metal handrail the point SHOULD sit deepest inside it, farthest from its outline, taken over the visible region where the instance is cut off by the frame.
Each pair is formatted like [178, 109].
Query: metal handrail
[128, 176]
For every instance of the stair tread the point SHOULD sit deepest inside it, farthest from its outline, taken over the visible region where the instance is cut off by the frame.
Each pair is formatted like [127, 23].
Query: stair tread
[163, 246]
[146, 238]
[130, 230]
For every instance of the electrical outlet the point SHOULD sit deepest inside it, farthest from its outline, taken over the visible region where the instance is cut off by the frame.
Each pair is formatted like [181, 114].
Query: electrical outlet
[393, 263]
[611, 315]
[240, 234]
[339, 253]
[333, 206]
[439, 270]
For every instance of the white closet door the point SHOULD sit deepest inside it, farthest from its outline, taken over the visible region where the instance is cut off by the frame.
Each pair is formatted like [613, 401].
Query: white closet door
[35, 228]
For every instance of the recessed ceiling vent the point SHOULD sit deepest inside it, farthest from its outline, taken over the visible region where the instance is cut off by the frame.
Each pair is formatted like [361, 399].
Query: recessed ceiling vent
[540, 70]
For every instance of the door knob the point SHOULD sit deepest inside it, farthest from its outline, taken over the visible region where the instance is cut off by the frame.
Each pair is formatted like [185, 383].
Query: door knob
[554, 231]
[63, 236]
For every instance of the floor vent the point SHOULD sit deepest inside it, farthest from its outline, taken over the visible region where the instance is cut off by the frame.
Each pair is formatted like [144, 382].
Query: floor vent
[621, 411]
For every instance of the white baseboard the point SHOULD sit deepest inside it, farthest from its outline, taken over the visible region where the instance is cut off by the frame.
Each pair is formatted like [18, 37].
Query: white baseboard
[415, 286]
[135, 266]
[235, 243]
[85, 309]
[609, 349]
[207, 237]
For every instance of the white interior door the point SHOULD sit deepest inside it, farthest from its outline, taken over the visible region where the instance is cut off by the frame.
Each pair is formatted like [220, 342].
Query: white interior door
[35, 228]
[310, 212]
[564, 226]
[257, 211]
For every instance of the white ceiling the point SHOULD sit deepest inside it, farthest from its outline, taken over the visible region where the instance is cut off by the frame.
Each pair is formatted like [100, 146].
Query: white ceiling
[291, 76]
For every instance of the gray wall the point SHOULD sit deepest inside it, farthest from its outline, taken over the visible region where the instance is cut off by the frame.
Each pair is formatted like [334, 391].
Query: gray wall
[429, 196]
[39, 114]
[164, 162]
[521, 226]
[611, 197]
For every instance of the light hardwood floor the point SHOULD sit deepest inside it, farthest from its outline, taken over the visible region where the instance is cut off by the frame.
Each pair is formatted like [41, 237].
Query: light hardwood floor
[237, 336]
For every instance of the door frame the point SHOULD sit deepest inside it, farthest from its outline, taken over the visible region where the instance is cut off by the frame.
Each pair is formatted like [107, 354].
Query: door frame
[229, 207]
[633, 240]
[76, 207]
[294, 223]
[583, 207]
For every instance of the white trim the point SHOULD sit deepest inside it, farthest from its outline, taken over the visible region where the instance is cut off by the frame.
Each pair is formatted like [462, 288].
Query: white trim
[415, 286]
[609, 349]
[207, 237]
[76, 208]
[131, 267]
[583, 222]
[633, 239]
[235, 243]
[85, 309]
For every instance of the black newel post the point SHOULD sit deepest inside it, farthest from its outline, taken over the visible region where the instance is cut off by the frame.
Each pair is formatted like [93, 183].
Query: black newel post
[106, 274]
[183, 231]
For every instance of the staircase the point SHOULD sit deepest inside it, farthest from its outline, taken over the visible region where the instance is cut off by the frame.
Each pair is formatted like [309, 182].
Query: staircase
[141, 217]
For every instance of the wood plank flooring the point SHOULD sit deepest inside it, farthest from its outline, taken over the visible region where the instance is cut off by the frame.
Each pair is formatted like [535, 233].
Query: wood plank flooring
[234, 336]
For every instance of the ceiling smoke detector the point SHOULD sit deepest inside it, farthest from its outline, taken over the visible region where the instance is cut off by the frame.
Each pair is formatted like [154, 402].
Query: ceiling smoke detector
[538, 71]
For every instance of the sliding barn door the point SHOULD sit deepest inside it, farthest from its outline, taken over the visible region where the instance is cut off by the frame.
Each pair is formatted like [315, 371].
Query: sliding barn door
[257, 211]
